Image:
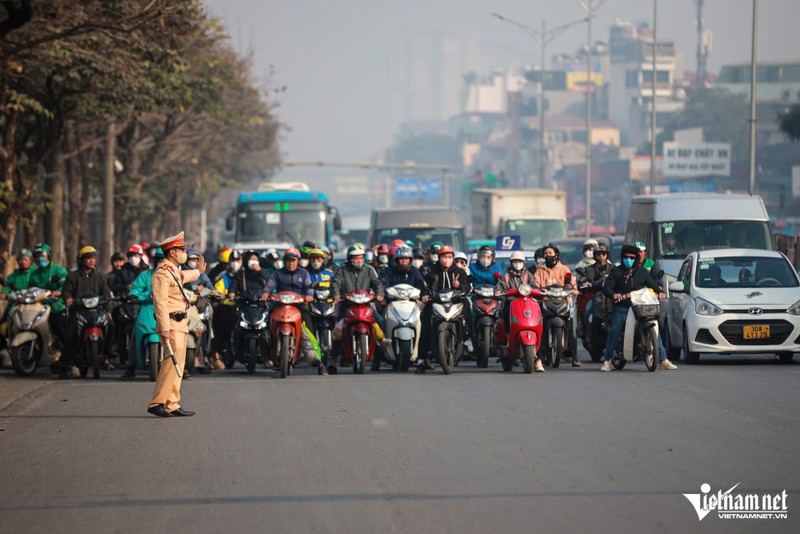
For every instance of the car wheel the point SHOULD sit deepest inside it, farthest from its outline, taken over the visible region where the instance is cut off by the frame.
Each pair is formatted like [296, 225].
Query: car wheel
[673, 353]
[786, 357]
[689, 356]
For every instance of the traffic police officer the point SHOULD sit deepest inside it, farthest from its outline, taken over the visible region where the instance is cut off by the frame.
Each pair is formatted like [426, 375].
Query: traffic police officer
[170, 305]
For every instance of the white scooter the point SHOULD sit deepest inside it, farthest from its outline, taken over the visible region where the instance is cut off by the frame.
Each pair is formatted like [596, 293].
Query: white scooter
[640, 338]
[402, 326]
[30, 338]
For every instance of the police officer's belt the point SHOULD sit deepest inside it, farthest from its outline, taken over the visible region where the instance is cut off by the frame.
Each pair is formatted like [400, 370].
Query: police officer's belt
[177, 316]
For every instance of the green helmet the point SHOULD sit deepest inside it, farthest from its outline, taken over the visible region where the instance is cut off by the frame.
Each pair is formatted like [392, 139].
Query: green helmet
[640, 245]
[42, 249]
[435, 246]
[355, 250]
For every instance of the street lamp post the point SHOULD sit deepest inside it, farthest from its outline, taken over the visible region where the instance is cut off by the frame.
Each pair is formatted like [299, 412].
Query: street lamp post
[753, 53]
[587, 6]
[542, 37]
[653, 104]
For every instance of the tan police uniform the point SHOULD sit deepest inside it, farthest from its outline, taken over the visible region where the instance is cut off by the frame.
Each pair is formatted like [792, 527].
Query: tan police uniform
[170, 308]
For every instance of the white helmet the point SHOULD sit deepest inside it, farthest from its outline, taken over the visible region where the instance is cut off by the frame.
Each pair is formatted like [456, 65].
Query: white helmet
[517, 255]
[460, 256]
[591, 242]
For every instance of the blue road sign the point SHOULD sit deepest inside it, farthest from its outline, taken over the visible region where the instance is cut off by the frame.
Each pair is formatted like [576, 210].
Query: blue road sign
[509, 242]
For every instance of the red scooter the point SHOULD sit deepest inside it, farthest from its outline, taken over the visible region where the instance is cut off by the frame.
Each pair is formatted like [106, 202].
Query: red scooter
[286, 331]
[358, 335]
[526, 329]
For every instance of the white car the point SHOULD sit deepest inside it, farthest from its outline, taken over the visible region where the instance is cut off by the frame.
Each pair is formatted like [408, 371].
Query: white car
[730, 301]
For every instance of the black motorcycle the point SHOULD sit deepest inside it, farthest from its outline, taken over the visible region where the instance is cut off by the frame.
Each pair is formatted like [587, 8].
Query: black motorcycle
[323, 313]
[250, 336]
[93, 322]
[448, 327]
[557, 330]
[486, 308]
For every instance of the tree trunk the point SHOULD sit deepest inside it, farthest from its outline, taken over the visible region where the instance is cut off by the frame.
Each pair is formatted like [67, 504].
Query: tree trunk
[107, 247]
[9, 215]
[75, 196]
[54, 218]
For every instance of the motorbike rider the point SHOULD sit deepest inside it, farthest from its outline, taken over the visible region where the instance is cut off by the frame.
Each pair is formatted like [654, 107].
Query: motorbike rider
[327, 260]
[353, 276]
[307, 247]
[484, 268]
[225, 312]
[596, 274]
[419, 258]
[85, 281]
[402, 272]
[444, 274]
[251, 279]
[381, 260]
[19, 279]
[588, 253]
[141, 290]
[516, 274]
[270, 261]
[650, 264]
[51, 276]
[433, 258]
[203, 281]
[628, 276]
[553, 272]
[222, 265]
[321, 275]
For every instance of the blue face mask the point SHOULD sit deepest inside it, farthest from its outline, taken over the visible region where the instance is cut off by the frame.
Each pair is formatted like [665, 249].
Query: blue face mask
[41, 262]
[628, 262]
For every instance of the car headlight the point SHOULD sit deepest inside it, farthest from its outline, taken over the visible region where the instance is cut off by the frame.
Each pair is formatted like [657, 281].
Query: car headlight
[794, 309]
[703, 307]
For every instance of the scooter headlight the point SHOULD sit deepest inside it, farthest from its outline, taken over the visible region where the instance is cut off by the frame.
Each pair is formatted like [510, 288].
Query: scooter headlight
[485, 291]
[287, 299]
[243, 324]
[525, 290]
[261, 325]
[90, 302]
[323, 294]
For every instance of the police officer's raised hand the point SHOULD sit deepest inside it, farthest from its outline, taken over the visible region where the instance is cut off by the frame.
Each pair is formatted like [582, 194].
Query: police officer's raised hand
[201, 264]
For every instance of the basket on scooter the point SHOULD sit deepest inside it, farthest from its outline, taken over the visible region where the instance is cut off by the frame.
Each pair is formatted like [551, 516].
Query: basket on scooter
[646, 311]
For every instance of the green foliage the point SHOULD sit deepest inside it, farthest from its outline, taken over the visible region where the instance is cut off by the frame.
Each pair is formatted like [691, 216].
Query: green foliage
[789, 123]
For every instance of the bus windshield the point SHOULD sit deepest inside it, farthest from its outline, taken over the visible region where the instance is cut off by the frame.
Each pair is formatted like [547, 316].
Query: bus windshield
[677, 239]
[536, 232]
[295, 222]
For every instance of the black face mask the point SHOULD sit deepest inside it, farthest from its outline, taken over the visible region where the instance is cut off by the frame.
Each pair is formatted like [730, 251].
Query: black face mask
[550, 261]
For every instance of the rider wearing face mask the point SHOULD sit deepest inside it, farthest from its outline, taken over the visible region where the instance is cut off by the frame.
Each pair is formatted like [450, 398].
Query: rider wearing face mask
[48, 275]
[402, 272]
[418, 258]
[225, 315]
[588, 253]
[553, 272]
[249, 280]
[433, 258]
[627, 277]
[320, 274]
[484, 268]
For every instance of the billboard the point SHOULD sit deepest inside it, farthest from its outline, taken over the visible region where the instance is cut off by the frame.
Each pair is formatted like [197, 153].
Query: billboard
[576, 77]
[692, 160]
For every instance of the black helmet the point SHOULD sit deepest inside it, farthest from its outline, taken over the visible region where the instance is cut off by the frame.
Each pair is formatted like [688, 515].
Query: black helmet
[551, 245]
[117, 256]
[235, 255]
[418, 253]
[403, 252]
[629, 249]
[539, 253]
[601, 248]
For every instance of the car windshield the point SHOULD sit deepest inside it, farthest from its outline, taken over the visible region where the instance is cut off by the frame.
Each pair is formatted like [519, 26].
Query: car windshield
[679, 238]
[745, 272]
[422, 237]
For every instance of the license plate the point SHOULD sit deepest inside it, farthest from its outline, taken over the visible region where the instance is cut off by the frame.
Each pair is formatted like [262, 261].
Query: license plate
[758, 331]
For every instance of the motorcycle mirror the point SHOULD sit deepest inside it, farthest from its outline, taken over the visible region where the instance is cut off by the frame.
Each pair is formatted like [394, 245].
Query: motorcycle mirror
[497, 276]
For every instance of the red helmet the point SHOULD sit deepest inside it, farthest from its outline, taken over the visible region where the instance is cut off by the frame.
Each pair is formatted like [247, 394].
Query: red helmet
[135, 249]
[393, 250]
[398, 243]
[291, 253]
[446, 249]
[383, 248]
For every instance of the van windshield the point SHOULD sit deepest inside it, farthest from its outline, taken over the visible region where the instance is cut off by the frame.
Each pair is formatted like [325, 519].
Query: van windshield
[536, 232]
[675, 240]
[422, 237]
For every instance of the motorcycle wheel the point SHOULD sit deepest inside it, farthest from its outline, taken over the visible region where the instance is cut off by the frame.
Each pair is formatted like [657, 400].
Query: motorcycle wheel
[555, 347]
[446, 351]
[252, 348]
[486, 348]
[283, 350]
[24, 358]
[84, 370]
[404, 354]
[94, 357]
[360, 354]
[508, 365]
[528, 357]
[650, 348]
[153, 361]
[618, 361]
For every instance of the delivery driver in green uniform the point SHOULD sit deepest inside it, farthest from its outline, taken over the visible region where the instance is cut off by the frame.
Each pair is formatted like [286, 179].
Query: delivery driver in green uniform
[170, 306]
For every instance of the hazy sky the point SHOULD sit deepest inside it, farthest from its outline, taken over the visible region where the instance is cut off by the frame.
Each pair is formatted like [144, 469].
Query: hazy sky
[335, 57]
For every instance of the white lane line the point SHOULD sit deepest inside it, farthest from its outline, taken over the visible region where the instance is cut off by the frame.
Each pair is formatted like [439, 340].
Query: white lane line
[380, 422]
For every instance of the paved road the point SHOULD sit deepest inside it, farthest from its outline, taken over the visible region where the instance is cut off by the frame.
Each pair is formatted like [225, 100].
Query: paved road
[478, 451]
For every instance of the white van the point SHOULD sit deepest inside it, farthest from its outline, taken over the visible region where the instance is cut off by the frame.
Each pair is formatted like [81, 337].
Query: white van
[672, 226]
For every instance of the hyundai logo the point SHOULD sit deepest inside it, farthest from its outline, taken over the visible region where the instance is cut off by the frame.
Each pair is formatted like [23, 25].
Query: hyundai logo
[755, 311]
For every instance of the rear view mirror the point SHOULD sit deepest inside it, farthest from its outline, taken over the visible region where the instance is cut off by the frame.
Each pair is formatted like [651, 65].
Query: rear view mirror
[677, 287]
[229, 222]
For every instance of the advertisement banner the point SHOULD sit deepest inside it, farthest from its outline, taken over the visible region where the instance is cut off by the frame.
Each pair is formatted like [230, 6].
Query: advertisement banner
[686, 160]
[576, 77]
